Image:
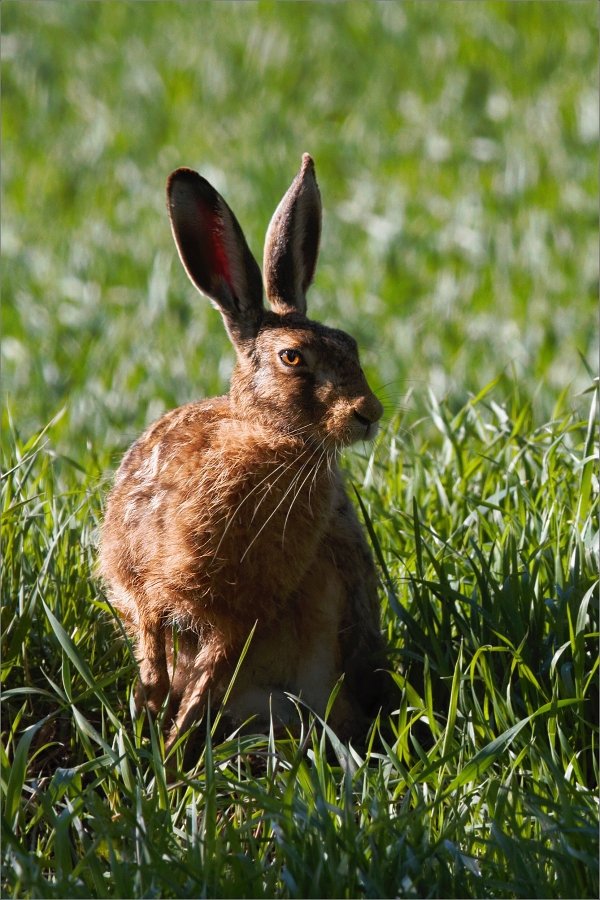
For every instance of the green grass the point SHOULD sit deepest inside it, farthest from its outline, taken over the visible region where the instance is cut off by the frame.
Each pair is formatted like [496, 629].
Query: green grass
[482, 783]
[456, 147]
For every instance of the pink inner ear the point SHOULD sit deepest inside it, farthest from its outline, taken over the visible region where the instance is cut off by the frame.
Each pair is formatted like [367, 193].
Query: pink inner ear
[219, 260]
[218, 257]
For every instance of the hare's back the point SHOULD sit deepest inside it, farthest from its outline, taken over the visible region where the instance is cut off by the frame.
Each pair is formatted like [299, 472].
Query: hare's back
[155, 474]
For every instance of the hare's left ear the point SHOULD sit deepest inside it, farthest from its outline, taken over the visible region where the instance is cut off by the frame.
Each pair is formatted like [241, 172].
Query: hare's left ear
[292, 243]
[215, 254]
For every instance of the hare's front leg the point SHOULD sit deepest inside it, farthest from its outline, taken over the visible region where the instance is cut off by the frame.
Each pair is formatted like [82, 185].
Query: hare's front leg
[152, 660]
[208, 682]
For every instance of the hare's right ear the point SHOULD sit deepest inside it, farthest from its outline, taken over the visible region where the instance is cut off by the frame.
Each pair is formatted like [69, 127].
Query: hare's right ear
[292, 242]
[215, 254]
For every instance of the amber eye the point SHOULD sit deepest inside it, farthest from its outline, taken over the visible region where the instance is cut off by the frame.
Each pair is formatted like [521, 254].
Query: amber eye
[291, 357]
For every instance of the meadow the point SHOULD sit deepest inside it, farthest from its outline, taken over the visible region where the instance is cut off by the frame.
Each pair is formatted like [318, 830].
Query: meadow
[456, 148]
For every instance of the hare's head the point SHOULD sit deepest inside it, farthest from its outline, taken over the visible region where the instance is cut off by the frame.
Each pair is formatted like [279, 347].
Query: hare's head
[293, 374]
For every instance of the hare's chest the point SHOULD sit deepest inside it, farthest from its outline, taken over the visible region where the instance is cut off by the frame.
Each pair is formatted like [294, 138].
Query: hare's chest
[297, 655]
[321, 602]
[266, 526]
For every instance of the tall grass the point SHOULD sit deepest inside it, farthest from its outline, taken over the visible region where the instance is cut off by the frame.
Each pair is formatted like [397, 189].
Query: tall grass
[481, 783]
[457, 153]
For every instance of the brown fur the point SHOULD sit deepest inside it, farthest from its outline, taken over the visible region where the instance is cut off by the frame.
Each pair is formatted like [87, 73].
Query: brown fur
[232, 511]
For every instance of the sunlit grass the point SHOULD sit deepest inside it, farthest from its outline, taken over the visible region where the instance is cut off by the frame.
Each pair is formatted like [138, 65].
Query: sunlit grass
[456, 148]
[483, 781]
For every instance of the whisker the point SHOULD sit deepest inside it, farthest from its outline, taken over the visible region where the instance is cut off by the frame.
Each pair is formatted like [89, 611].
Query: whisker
[285, 465]
[266, 522]
[296, 495]
[271, 484]
[314, 478]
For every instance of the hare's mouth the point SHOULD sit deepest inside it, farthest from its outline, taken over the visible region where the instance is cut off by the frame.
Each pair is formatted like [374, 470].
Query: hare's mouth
[363, 428]
[354, 435]
[346, 429]
[353, 432]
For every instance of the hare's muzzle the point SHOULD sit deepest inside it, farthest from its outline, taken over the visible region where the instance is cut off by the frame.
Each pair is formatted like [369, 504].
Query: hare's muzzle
[367, 417]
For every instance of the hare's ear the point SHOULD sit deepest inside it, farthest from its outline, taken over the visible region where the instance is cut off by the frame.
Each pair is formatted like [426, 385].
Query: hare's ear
[292, 242]
[215, 254]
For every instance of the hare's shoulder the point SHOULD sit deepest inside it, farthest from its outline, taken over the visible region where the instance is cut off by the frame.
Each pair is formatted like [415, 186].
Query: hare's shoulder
[184, 431]
[193, 422]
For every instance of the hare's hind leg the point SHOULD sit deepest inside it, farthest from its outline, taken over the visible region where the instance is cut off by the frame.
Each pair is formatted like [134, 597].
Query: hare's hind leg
[152, 660]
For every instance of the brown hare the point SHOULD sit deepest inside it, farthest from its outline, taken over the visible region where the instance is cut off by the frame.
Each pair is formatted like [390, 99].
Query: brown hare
[232, 510]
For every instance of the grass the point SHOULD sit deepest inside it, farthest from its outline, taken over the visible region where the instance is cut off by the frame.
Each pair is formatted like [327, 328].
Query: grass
[456, 147]
[482, 783]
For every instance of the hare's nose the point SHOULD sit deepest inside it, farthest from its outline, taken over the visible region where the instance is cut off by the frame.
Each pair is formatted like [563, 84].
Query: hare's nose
[369, 422]
[369, 411]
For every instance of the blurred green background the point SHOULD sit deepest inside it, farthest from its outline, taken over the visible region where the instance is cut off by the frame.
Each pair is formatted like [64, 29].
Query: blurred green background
[456, 147]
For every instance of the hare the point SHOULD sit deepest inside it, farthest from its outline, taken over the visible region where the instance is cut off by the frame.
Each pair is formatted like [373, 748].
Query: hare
[232, 511]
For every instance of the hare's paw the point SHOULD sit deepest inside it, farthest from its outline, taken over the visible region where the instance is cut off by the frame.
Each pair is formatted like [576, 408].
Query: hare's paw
[151, 696]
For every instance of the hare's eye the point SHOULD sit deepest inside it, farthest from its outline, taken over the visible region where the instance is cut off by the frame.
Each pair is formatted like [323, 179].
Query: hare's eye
[291, 357]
